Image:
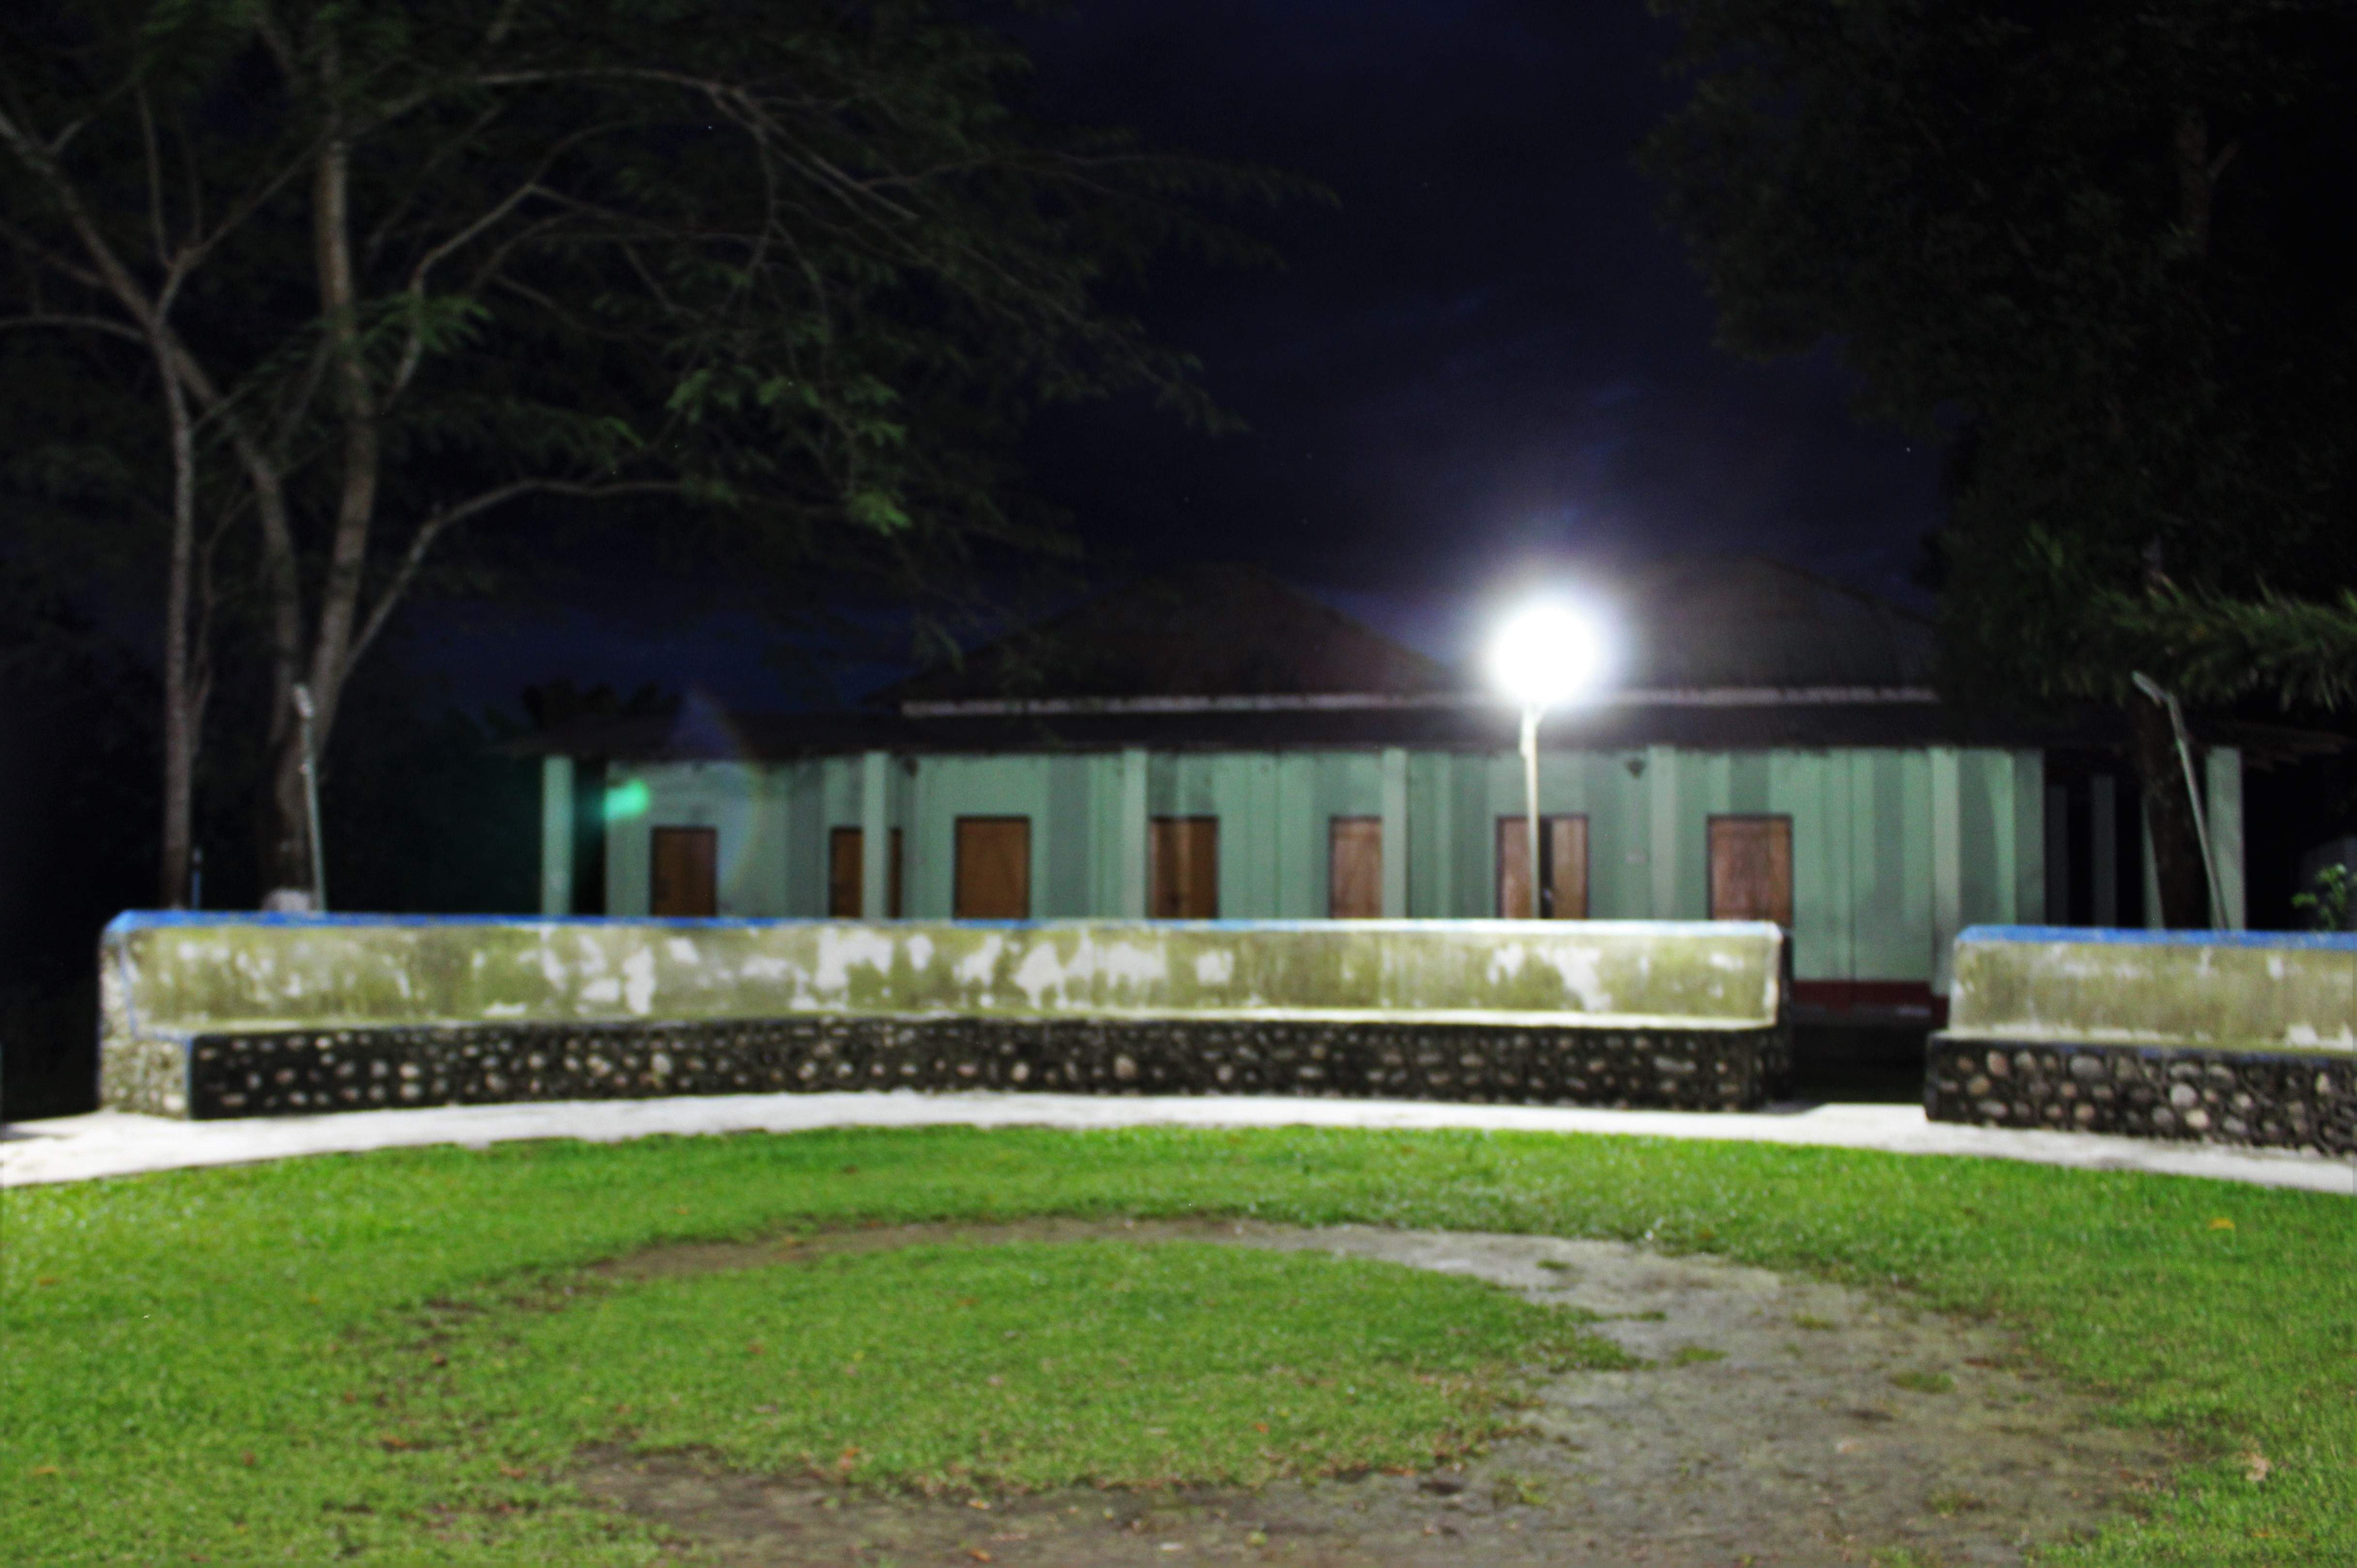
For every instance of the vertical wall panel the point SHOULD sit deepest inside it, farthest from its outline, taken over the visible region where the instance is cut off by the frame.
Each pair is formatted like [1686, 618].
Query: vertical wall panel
[1430, 888]
[1615, 803]
[1797, 786]
[1890, 928]
[1126, 844]
[1064, 823]
[875, 829]
[1463, 779]
[557, 835]
[803, 798]
[626, 848]
[1778, 782]
[1393, 766]
[1301, 839]
[1985, 833]
[1947, 860]
[1750, 781]
[2029, 779]
[1661, 827]
[1256, 854]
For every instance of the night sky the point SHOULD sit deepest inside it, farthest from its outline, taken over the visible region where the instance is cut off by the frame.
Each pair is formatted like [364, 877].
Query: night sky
[1491, 363]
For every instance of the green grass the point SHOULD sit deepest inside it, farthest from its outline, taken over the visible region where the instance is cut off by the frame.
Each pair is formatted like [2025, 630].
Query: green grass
[194, 1360]
[1024, 1366]
[1695, 1356]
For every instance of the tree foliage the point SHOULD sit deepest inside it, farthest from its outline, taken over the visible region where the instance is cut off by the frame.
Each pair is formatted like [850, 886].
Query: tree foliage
[2101, 247]
[2101, 242]
[363, 275]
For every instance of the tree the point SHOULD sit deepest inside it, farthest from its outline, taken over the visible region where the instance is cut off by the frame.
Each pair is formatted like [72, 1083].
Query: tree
[2090, 245]
[372, 272]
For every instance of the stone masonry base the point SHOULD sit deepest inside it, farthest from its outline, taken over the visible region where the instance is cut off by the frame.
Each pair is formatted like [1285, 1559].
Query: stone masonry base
[310, 1071]
[2279, 1100]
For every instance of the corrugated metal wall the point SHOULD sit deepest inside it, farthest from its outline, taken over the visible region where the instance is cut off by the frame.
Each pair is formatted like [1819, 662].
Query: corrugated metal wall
[1893, 851]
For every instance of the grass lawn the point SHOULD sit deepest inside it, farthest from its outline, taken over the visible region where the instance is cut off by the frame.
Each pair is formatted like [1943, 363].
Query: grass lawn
[353, 1356]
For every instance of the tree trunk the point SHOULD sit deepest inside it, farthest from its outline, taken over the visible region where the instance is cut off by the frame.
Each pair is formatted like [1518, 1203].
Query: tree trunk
[286, 846]
[183, 694]
[284, 828]
[2169, 817]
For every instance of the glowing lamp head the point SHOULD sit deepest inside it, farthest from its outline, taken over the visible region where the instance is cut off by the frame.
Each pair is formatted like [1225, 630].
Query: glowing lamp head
[1546, 654]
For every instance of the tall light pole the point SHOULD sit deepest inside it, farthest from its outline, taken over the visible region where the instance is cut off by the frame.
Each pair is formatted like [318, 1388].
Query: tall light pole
[1545, 654]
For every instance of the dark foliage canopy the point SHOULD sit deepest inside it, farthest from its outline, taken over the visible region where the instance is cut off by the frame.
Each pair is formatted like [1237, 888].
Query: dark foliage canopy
[2102, 244]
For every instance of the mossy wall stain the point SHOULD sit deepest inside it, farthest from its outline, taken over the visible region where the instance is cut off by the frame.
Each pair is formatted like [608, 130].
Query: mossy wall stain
[179, 974]
[2251, 991]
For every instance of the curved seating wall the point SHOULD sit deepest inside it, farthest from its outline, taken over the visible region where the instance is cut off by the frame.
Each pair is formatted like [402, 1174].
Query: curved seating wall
[2242, 1036]
[237, 1014]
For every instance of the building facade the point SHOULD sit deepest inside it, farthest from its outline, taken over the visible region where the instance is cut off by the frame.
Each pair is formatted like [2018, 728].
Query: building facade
[1800, 771]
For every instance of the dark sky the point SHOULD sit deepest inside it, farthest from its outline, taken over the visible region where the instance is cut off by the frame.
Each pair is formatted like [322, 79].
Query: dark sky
[1490, 362]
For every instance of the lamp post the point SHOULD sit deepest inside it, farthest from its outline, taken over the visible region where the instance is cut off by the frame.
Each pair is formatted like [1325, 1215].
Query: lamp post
[1544, 655]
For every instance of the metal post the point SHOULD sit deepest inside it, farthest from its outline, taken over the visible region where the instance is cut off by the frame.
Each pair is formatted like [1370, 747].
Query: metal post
[2167, 699]
[303, 710]
[1531, 806]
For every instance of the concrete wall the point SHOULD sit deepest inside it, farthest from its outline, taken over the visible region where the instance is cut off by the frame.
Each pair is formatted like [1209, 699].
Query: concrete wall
[1894, 851]
[2245, 991]
[185, 974]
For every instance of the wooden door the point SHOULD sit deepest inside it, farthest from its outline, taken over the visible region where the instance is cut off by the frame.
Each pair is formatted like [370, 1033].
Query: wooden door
[1185, 884]
[684, 872]
[1562, 868]
[844, 878]
[846, 875]
[1751, 869]
[994, 868]
[1355, 881]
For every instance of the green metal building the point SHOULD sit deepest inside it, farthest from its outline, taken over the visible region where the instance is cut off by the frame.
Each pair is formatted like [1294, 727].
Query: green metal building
[1210, 744]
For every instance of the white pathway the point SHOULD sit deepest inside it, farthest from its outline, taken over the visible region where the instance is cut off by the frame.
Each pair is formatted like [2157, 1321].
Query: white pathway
[112, 1143]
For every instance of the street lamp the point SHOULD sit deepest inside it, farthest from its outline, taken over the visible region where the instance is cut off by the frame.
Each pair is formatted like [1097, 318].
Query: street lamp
[1546, 654]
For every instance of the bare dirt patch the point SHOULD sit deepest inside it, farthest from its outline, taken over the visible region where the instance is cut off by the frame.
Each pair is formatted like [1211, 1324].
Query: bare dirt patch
[1778, 1422]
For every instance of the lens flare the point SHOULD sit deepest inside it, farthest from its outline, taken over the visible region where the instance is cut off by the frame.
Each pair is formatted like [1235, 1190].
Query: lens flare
[627, 802]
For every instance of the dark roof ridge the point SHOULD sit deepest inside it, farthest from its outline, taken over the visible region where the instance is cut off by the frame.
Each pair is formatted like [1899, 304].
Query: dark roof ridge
[1163, 626]
[1663, 565]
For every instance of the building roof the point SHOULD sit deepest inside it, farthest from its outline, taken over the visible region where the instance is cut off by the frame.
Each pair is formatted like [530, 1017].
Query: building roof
[1704, 622]
[1208, 629]
[1719, 654]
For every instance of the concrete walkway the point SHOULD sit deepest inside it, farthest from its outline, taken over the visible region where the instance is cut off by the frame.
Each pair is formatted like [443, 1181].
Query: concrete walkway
[111, 1143]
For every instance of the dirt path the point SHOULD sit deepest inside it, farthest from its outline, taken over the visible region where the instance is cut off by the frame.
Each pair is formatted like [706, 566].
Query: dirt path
[1781, 1422]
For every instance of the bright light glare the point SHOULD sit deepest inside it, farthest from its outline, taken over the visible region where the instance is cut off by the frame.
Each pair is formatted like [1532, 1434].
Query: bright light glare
[1546, 654]
[625, 802]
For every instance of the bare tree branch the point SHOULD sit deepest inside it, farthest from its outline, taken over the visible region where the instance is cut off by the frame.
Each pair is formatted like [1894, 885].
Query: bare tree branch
[432, 528]
[76, 324]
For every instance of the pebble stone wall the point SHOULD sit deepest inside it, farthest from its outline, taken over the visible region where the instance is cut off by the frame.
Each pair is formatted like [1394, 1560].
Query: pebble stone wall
[306, 1072]
[2262, 1098]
